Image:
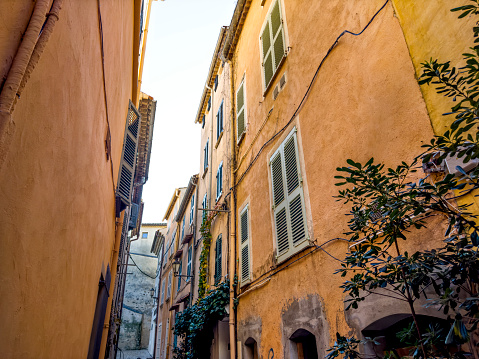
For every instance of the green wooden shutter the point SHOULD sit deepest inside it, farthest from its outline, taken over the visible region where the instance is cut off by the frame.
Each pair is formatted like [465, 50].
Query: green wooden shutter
[272, 43]
[245, 243]
[218, 269]
[277, 34]
[180, 272]
[128, 157]
[240, 110]
[288, 199]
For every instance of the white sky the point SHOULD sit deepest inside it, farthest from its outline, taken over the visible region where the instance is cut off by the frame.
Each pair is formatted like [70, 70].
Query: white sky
[181, 39]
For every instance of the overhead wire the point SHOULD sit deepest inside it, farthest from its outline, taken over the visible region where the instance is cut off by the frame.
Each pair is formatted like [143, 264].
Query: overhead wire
[307, 91]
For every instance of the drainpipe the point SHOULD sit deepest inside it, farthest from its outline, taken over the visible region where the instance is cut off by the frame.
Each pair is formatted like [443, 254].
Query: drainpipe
[232, 236]
[211, 150]
[143, 47]
[27, 56]
[193, 250]
[158, 298]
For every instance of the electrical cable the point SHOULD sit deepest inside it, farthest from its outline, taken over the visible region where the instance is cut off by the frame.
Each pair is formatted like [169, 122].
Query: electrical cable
[139, 267]
[307, 92]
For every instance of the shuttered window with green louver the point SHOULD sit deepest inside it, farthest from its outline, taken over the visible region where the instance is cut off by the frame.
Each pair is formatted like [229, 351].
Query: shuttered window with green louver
[290, 227]
[272, 38]
[241, 110]
[245, 263]
[128, 156]
[218, 259]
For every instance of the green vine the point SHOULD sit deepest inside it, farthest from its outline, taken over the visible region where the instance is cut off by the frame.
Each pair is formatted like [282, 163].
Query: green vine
[205, 254]
[195, 324]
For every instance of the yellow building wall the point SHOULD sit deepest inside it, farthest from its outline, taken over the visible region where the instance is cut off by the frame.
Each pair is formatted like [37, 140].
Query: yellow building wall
[57, 218]
[365, 102]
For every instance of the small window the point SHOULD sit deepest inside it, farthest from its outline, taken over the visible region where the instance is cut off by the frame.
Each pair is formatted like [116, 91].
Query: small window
[205, 155]
[218, 269]
[216, 82]
[219, 121]
[183, 228]
[192, 208]
[272, 43]
[303, 345]
[219, 182]
[144, 235]
[209, 103]
[203, 120]
[240, 111]
[188, 265]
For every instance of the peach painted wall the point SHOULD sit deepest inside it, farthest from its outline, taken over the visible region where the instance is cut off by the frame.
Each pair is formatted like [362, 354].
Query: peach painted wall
[57, 218]
[365, 102]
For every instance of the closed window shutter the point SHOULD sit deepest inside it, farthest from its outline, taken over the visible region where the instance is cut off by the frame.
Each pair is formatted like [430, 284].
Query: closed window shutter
[218, 269]
[188, 266]
[166, 337]
[240, 110]
[180, 272]
[288, 199]
[168, 291]
[192, 208]
[128, 157]
[163, 292]
[205, 204]
[158, 348]
[245, 254]
[205, 159]
[183, 228]
[272, 43]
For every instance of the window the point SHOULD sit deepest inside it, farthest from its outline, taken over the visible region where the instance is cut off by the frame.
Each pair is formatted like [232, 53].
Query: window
[288, 200]
[219, 122]
[173, 239]
[163, 292]
[144, 235]
[205, 205]
[203, 120]
[192, 208]
[240, 110]
[180, 272]
[183, 228]
[272, 43]
[209, 103]
[245, 251]
[188, 265]
[205, 155]
[216, 82]
[218, 271]
[303, 345]
[168, 291]
[219, 182]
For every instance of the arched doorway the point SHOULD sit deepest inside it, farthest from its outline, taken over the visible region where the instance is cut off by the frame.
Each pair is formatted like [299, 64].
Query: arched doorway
[303, 345]
[250, 349]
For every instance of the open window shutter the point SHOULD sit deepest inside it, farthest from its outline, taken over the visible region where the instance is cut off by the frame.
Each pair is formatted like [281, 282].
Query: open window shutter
[279, 203]
[240, 110]
[245, 257]
[128, 157]
[277, 34]
[183, 227]
[295, 190]
[267, 54]
[168, 291]
[288, 197]
[218, 269]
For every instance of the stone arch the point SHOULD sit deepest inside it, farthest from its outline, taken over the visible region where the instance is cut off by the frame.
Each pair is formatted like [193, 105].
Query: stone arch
[250, 349]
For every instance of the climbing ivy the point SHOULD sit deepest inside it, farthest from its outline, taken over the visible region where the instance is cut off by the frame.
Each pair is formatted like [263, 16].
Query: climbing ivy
[195, 324]
[205, 230]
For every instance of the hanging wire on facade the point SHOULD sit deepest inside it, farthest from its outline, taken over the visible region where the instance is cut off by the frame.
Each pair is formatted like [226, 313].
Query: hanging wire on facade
[139, 268]
[307, 91]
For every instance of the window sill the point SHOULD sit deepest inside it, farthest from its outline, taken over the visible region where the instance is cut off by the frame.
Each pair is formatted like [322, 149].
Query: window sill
[219, 139]
[240, 139]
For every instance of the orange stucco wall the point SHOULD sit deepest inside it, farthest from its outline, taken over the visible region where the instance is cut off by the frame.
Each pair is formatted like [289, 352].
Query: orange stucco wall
[57, 218]
[365, 102]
